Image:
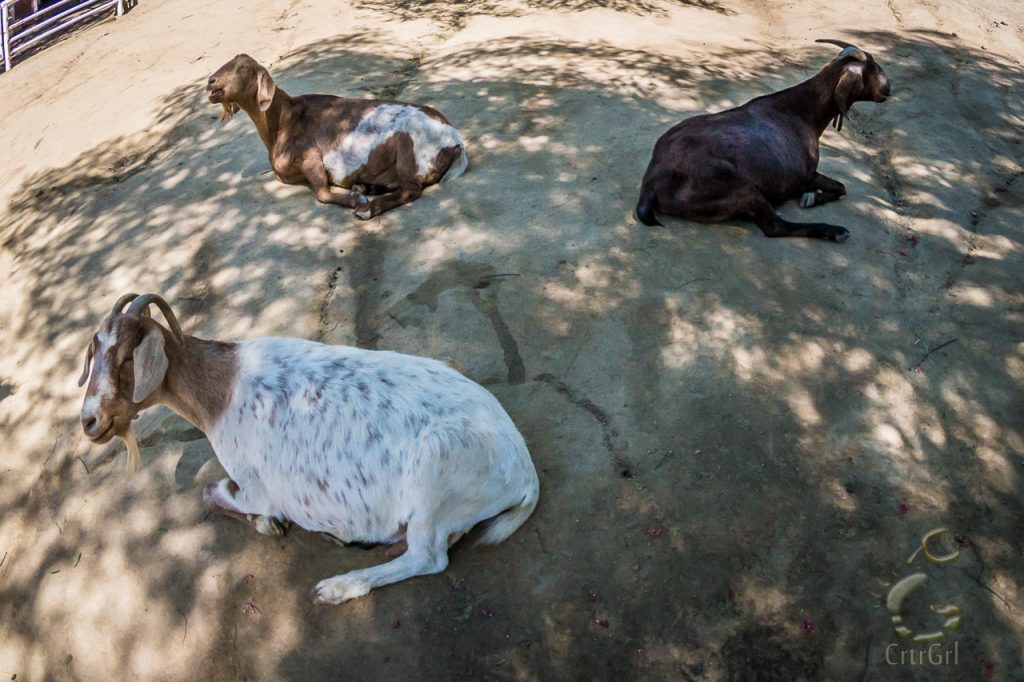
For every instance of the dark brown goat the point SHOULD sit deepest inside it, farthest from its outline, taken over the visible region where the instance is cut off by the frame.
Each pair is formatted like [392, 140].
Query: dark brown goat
[343, 149]
[739, 164]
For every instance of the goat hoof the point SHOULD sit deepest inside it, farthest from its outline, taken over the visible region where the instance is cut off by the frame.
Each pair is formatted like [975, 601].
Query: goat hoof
[839, 235]
[363, 212]
[339, 589]
[808, 199]
[266, 525]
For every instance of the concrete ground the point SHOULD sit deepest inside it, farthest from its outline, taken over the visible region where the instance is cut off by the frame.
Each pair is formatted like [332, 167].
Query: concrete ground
[740, 440]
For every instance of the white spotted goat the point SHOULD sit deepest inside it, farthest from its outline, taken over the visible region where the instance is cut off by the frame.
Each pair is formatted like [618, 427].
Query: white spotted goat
[367, 446]
[343, 149]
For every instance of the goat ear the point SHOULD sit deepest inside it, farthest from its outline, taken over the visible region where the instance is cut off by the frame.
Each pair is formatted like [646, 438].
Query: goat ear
[150, 362]
[850, 85]
[85, 369]
[265, 89]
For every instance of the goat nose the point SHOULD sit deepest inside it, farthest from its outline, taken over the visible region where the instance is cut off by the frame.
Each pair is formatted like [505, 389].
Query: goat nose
[213, 79]
[88, 424]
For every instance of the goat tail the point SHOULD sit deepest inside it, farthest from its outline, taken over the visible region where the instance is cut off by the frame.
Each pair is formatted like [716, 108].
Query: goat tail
[646, 206]
[507, 522]
[458, 166]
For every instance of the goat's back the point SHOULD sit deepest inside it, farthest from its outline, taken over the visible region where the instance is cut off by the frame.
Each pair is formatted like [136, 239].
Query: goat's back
[350, 441]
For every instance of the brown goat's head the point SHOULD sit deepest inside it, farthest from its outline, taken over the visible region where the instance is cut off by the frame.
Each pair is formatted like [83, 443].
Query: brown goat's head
[128, 363]
[860, 79]
[239, 83]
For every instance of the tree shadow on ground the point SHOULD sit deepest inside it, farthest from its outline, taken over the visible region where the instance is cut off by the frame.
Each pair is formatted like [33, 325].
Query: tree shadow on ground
[454, 14]
[724, 425]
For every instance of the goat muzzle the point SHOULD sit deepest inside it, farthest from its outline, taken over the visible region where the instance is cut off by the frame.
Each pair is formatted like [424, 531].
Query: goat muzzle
[884, 91]
[94, 429]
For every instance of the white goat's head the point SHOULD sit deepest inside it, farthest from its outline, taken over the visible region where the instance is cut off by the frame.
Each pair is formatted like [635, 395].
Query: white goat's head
[128, 364]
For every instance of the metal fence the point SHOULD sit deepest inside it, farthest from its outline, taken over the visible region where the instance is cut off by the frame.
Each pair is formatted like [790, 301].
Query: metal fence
[21, 33]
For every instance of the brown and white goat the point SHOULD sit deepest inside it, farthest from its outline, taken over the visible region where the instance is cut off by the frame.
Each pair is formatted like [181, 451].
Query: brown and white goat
[369, 447]
[343, 149]
[739, 164]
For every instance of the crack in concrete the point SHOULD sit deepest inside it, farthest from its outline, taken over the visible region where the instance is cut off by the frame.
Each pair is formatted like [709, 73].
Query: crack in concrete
[509, 348]
[366, 267]
[609, 439]
[609, 434]
[323, 315]
[473, 277]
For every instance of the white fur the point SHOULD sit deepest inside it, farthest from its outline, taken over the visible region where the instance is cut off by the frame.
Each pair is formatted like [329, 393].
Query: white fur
[106, 339]
[458, 167]
[429, 137]
[364, 444]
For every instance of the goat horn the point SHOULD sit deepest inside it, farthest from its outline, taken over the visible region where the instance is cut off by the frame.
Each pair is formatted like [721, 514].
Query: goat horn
[139, 307]
[849, 50]
[121, 302]
[85, 370]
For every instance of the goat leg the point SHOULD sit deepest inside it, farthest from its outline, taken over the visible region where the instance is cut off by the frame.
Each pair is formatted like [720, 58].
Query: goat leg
[409, 187]
[760, 211]
[220, 497]
[386, 202]
[427, 553]
[316, 178]
[821, 190]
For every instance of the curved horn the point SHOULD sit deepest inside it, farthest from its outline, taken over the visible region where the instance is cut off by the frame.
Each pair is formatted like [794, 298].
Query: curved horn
[121, 302]
[85, 370]
[140, 304]
[849, 50]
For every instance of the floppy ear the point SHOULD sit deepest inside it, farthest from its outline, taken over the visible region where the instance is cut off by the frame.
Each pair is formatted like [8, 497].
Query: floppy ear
[850, 85]
[150, 364]
[85, 370]
[265, 89]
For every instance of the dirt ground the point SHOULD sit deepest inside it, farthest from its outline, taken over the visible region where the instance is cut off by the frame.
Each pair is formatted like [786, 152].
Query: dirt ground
[740, 440]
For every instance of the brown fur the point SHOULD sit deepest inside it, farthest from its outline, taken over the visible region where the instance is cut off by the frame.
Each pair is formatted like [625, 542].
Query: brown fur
[739, 164]
[197, 384]
[298, 131]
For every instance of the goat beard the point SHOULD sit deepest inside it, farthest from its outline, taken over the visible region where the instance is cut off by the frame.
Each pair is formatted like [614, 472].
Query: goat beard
[227, 110]
[132, 444]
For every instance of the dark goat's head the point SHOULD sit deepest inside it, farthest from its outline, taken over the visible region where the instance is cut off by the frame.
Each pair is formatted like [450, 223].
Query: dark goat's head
[128, 364]
[241, 81]
[861, 78]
